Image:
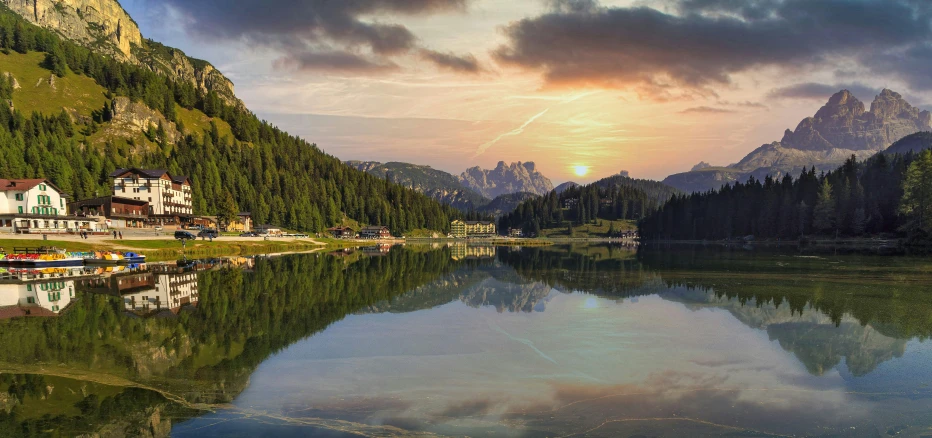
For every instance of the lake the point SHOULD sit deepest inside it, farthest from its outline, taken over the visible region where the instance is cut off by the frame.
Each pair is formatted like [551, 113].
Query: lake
[582, 340]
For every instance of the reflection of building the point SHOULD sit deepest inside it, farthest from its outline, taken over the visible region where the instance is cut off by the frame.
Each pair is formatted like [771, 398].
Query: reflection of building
[376, 250]
[463, 251]
[45, 298]
[460, 228]
[170, 294]
[120, 283]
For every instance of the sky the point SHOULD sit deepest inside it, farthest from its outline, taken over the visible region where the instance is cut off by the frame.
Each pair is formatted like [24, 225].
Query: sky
[651, 87]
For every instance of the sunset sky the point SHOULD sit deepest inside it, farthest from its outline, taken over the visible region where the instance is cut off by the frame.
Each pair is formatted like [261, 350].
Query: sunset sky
[652, 87]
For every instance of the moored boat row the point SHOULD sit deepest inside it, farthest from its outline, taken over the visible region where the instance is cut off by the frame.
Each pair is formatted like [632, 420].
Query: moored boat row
[50, 258]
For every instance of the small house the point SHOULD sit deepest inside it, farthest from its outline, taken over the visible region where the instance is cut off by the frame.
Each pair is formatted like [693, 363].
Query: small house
[375, 232]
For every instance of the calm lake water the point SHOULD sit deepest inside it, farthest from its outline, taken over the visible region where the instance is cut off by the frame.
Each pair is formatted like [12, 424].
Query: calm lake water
[588, 340]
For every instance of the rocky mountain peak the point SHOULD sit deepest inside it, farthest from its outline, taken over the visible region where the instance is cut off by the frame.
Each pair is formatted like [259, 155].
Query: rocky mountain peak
[505, 179]
[842, 106]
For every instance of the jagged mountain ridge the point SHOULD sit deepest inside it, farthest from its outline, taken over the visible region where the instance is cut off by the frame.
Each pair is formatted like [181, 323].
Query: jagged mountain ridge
[105, 27]
[459, 191]
[839, 129]
[437, 184]
[505, 179]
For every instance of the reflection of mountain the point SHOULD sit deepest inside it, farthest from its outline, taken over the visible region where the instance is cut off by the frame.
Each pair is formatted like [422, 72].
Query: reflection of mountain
[812, 336]
[477, 286]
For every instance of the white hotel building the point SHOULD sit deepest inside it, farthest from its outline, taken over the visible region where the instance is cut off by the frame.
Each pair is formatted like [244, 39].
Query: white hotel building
[47, 298]
[169, 197]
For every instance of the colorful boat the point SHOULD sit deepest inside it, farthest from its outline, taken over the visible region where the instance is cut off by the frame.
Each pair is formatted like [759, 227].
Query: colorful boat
[104, 258]
[43, 260]
[132, 257]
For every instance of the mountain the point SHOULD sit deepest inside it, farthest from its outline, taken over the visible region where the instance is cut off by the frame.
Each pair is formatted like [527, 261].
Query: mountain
[505, 203]
[106, 28]
[838, 130]
[567, 185]
[442, 186]
[911, 143]
[513, 178]
[90, 107]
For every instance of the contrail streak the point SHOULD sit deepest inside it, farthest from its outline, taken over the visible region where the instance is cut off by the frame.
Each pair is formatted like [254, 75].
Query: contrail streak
[518, 131]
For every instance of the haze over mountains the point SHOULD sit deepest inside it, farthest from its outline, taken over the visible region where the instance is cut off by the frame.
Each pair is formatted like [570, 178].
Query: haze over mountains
[838, 130]
[490, 191]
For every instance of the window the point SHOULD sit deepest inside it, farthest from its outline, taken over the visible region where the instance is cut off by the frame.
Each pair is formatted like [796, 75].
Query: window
[19, 196]
[20, 209]
[42, 187]
[61, 203]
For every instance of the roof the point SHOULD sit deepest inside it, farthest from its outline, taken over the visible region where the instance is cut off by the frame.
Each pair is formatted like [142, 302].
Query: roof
[480, 223]
[374, 228]
[7, 185]
[151, 173]
[103, 199]
[179, 179]
[244, 213]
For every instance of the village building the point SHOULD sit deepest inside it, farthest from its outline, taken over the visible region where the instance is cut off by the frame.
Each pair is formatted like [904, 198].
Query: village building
[460, 228]
[169, 196]
[342, 232]
[119, 212]
[270, 230]
[34, 206]
[375, 232]
[209, 222]
[242, 223]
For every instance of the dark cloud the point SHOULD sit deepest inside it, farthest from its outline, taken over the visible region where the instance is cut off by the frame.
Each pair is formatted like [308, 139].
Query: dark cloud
[704, 42]
[706, 110]
[343, 62]
[344, 35]
[450, 61]
[821, 92]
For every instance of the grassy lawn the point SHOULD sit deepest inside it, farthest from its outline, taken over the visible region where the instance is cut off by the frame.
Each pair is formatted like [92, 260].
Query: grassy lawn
[598, 229]
[72, 91]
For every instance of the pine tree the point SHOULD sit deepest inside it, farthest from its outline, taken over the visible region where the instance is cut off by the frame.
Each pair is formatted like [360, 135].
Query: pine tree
[917, 193]
[823, 219]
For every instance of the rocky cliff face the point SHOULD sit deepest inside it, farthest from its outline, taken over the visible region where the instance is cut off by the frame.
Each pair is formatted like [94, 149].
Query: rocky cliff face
[105, 27]
[840, 129]
[514, 178]
[100, 24]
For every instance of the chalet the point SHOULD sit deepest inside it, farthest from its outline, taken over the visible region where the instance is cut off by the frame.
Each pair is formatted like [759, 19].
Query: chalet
[169, 196]
[375, 232]
[460, 228]
[515, 232]
[119, 212]
[33, 206]
[342, 232]
[570, 202]
[204, 221]
[242, 223]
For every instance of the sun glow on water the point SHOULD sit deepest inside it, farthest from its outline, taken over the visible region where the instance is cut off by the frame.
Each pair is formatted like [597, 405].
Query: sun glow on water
[581, 170]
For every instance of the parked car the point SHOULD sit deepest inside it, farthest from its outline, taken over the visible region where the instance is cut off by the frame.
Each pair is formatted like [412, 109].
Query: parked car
[158, 228]
[184, 235]
[248, 234]
[209, 234]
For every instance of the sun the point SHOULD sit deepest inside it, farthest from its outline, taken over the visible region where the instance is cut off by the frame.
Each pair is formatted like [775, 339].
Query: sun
[581, 170]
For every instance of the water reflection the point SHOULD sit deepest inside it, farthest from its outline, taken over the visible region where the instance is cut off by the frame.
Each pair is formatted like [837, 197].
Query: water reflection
[484, 341]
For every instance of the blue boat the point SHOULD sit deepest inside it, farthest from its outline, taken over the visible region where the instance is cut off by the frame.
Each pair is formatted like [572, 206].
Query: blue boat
[132, 257]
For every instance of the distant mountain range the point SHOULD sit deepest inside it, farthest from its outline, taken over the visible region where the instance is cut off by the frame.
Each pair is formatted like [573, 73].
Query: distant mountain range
[840, 129]
[494, 191]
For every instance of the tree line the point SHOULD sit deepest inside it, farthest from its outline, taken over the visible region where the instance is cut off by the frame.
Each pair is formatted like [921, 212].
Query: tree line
[887, 194]
[280, 178]
[577, 206]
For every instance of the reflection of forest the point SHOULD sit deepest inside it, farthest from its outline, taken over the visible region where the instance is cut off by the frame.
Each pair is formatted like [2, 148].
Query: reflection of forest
[822, 311]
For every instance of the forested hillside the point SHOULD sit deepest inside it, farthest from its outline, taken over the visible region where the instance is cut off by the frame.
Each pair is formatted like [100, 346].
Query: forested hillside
[888, 193]
[611, 199]
[280, 178]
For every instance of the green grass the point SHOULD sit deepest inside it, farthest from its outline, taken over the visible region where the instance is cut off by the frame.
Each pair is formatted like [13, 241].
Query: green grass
[73, 91]
[196, 122]
[598, 229]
